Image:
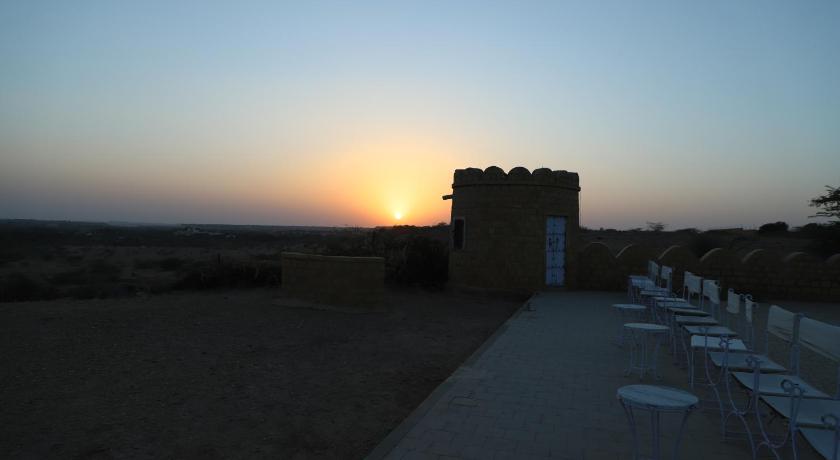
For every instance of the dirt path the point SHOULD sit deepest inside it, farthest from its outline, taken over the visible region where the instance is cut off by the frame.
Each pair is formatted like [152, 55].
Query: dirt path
[224, 374]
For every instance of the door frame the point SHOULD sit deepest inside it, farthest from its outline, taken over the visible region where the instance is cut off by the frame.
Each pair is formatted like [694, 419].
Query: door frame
[565, 250]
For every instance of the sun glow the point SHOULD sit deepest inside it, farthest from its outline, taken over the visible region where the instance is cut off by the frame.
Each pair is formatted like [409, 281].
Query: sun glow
[387, 180]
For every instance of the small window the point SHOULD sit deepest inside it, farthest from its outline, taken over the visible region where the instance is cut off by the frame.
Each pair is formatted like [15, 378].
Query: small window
[458, 234]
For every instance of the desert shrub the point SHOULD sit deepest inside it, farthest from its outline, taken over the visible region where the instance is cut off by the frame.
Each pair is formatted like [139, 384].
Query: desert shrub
[224, 273]
[19, 287]
[97, 272]
[77, 276]
[773, 227]
[145, 264]
[166, 264]
[655, 226]
[692, 230]
[73, 259]
[170, 263]
[422, 261]
[8, 255]
[825, 238]
[100, 268]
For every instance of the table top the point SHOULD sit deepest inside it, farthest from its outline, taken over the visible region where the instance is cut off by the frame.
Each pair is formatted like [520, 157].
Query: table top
[647, 327]
[629, 306]
[657, 397]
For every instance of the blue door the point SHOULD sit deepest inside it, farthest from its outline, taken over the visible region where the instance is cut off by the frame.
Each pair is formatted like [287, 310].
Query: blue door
[555, 251]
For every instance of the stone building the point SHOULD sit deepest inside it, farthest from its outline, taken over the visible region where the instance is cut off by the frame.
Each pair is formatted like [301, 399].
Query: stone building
[514, 231]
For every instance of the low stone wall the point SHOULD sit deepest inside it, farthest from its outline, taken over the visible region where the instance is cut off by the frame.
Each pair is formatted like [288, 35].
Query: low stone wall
[762, 273]
[328, 280]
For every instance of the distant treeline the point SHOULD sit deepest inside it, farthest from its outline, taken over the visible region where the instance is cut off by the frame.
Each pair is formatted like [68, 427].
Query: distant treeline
[47, 260]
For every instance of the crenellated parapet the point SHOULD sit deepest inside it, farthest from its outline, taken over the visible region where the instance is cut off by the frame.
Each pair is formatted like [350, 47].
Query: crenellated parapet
[494, 175]
[514, 231]
[762, 273]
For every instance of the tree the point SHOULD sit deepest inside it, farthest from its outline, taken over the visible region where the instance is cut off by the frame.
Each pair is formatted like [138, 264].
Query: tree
[773, 227]
[655, 226]
[829, 204]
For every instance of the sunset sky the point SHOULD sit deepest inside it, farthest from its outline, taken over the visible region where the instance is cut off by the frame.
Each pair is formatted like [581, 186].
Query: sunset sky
[697, 114]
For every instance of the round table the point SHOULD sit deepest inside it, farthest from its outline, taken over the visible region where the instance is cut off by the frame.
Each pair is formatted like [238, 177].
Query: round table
[656, 399]
[641, 334]
[628, 312]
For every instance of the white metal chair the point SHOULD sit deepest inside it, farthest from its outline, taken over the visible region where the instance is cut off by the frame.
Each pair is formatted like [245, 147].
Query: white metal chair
[809, 405]
[825, 441]
[635, 283]
[661, 289]
[681, 312]
[781, 324]
[808, 335]
[657, 298]
[708, 342]
[729, 318]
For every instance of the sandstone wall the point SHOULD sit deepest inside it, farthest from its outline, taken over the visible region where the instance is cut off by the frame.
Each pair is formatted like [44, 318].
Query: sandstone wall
[764, 274]
[344, 281]
[505, 227]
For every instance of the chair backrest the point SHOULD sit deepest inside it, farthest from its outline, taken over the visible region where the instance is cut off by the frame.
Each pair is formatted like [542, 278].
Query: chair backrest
[665, 277]
[733, 302]
[750, 309]
[823, 339]
[781, 323]
[692, 286]
[748, 328]
[730, 316]
[653, 271]
[710, 301]
[785, 325]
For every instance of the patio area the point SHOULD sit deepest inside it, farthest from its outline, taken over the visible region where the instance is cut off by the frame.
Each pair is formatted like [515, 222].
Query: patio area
[544, 386]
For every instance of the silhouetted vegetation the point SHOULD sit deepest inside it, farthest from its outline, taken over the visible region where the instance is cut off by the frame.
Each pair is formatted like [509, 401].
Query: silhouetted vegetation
[773, 227]
[828, 204]
[46, 260]
[413, 255]
[655, 226]
[224, 273]
[825, 238]
[19, 286]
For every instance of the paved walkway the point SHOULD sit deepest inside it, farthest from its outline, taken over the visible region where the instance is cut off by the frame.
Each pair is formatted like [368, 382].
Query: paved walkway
[544, 387]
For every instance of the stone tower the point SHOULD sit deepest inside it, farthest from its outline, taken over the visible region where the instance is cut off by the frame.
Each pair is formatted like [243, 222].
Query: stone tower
[514, 231]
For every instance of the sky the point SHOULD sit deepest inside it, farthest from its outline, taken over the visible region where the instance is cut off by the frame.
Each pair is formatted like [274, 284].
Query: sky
[695, 114]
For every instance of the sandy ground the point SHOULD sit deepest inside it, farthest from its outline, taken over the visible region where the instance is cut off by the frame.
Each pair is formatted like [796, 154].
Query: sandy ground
[224, 374]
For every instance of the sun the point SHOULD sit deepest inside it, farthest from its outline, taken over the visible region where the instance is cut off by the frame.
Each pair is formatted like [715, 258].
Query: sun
[398, 215]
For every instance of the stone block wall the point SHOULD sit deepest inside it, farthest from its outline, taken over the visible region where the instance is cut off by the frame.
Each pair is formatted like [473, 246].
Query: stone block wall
[329, 280]
[762, 273]
[505, 218]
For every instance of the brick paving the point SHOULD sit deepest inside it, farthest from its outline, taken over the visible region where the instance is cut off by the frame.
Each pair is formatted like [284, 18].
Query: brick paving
[544, 387]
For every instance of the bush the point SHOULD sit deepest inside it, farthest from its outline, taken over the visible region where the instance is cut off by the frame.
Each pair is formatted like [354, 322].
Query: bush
[655, 227]
[825, 238]
[170, 263]
[692, 230]
[18, 287]
[425, 262]
[773, 227]
[223, 273]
